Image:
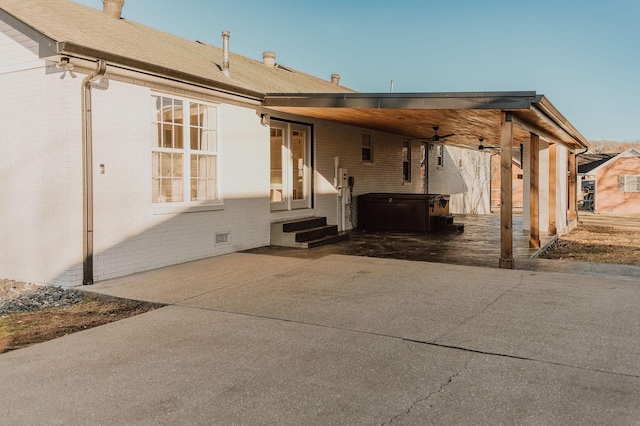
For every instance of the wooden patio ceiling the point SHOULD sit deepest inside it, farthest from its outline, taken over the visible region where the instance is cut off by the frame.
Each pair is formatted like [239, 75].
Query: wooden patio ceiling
[469, 116]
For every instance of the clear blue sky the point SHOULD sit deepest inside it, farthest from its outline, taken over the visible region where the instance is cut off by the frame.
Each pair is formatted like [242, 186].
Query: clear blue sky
[583, 55]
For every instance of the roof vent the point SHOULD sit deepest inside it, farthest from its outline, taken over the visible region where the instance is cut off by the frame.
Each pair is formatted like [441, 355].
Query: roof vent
[225, 53]
[269, 59]
[113, 8]
[335, 79]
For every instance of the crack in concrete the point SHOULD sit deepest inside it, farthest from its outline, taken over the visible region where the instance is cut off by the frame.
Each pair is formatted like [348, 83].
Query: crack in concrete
[233, 284]
[426, 398]
[474, 316]
[422, 342]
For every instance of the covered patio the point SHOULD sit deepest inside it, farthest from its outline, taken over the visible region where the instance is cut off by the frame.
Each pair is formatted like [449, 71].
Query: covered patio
[477, 245]
[506, 120]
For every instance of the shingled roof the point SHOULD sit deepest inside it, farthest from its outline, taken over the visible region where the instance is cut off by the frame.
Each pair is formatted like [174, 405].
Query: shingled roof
[78, 30]
[588, 162]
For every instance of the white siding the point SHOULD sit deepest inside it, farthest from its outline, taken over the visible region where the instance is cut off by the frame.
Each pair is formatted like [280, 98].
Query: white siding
[446, 178]
[17, 51]
[475, 169]
[40, 169]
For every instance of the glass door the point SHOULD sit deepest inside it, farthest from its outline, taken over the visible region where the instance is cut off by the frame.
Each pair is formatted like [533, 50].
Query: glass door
[290, 166]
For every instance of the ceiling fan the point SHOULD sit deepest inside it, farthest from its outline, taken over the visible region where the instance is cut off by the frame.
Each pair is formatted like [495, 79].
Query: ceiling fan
[436, 137]
[482, 146]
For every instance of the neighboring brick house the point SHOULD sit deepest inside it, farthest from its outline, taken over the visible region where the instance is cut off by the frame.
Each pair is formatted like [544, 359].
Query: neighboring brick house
[129, 149]
[611, 182]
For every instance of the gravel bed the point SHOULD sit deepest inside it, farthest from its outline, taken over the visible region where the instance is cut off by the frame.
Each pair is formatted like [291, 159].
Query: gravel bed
[16, 296]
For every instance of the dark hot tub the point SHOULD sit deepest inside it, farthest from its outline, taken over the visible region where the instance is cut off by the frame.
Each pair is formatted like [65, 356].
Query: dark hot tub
[402, 212]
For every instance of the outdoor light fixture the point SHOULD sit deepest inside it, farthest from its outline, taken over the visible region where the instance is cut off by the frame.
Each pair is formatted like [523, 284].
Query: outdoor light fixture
[65, 65]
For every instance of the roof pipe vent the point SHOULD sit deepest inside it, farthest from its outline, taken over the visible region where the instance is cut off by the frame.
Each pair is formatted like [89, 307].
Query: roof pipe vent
[113, 8]
[335, 79]
[225, 53]
[269, 59]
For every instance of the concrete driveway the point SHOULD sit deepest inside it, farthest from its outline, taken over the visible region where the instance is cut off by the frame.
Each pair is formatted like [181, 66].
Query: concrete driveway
[256, 339]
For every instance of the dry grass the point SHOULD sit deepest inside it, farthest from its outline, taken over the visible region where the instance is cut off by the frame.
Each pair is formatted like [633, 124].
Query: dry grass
[22, 329]
[600, 239]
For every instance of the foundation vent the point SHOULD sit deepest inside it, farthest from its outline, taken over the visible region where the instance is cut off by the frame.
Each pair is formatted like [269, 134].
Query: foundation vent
[223, 238]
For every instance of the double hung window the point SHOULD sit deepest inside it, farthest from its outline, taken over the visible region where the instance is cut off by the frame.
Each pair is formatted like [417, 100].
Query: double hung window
[184, 151]
[629, 183]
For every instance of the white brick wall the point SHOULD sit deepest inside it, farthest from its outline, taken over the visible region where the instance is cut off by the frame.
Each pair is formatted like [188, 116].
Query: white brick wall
[40, 169]
[383, 174]
[130, 235]
[41, 180]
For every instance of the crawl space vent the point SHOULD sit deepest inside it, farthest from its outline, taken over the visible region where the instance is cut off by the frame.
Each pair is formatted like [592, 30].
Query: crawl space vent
[223, 238]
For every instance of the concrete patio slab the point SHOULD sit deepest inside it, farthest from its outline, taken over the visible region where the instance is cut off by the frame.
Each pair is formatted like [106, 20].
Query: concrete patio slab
[179, 282]
[342, 340]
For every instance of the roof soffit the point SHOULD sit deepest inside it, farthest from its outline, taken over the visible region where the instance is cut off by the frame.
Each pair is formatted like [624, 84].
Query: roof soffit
[46, 44]
[469, 116]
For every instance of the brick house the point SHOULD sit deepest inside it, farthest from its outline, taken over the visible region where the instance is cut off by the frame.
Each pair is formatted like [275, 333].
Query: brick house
[611, 182]
[129, 149]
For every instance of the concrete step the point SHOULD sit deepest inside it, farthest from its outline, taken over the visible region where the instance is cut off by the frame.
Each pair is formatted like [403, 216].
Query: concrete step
[305, 233]
[315, 233]
[306, 223]
[329, 239]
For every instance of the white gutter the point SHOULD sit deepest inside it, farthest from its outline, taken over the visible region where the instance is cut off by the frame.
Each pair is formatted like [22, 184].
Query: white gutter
[87, 172]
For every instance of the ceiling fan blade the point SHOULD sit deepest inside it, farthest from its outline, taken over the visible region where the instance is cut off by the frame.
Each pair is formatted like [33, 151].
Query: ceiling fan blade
[447, 136]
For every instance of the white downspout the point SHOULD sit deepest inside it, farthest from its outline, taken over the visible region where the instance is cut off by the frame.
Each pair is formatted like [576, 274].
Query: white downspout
[87, 171]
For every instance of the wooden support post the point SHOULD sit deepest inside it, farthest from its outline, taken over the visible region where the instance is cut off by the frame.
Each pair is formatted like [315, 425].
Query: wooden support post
[553, 183]
[534, 192]
[506, 192]
[572, 185]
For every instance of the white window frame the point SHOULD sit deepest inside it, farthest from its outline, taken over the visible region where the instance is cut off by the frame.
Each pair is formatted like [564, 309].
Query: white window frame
[209, 134]
[286, 185]
[629, 183]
